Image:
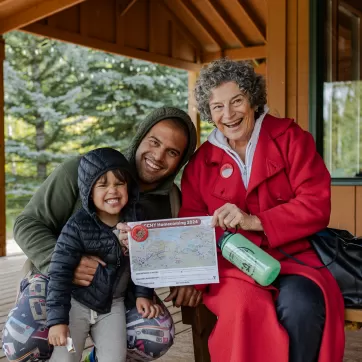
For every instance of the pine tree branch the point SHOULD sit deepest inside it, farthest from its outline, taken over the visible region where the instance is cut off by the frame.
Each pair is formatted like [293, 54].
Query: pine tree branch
[52, 139]
[76, 121]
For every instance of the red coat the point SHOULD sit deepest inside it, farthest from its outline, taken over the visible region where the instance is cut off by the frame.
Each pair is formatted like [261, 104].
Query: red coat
[289, 190]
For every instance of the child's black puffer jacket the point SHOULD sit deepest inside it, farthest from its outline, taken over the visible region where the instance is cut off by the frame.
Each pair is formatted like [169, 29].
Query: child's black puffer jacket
[85, 234]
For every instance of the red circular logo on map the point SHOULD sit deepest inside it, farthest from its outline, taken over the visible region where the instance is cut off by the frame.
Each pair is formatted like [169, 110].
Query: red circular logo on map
[139, 233]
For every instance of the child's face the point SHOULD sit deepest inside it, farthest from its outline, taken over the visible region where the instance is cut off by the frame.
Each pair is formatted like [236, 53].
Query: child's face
[109, 194]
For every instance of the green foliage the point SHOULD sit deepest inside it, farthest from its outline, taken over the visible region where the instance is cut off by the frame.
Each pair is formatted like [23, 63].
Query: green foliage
[342, 128]
[123, 91]
[206, 128]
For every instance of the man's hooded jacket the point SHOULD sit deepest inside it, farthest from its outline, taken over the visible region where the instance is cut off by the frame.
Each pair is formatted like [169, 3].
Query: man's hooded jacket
[86, 234]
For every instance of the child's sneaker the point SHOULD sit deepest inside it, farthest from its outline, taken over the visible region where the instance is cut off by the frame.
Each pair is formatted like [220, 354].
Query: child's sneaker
[91, 357]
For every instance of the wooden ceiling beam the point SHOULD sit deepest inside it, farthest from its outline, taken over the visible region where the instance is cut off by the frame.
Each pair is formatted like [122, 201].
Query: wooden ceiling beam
[35, 13]
[208, 57]
[3, 2]
[228, 21]
[277, 57]
[250, 14]
[126, 7]
[261, 69]
[247, 53]
[105, 46]
[181, 27]
[199, 18]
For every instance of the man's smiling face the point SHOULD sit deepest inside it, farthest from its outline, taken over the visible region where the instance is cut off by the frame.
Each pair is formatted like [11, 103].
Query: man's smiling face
[160, 153]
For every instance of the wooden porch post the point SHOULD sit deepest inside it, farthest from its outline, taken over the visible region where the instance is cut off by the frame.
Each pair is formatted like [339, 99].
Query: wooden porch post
[2, 154]
[193, 113]
[276, 56]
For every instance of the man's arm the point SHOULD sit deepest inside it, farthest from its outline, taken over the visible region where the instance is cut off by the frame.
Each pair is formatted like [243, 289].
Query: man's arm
[36, 229]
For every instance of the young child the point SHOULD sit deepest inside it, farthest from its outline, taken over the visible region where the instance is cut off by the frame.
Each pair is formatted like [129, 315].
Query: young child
[104, 180]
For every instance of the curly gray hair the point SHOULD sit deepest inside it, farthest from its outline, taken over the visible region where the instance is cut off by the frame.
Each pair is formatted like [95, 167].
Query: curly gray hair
[225, 70]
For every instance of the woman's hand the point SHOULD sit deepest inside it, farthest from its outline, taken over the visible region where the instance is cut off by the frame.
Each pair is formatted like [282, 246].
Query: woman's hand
[229, 216]
[58, 335]
[147, 308]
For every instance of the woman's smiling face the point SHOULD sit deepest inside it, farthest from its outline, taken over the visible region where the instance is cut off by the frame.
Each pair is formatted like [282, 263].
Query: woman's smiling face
[231, 112]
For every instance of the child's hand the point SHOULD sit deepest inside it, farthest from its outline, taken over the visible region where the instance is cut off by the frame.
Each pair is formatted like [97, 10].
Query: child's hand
[123, 230]
[58, 335]
[147, 308]
[122, 234]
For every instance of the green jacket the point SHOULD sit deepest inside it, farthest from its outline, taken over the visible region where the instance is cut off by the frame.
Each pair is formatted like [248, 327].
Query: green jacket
[37, 228]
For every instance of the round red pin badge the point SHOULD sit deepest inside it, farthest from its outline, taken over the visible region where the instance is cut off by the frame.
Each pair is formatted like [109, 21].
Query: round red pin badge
[226, 170]
[139, 233]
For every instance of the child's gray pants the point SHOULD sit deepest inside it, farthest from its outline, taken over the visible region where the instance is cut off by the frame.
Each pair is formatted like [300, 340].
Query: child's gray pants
[108, 332]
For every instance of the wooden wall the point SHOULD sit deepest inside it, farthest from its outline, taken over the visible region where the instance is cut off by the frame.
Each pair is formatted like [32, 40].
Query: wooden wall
[288, 59]
[288, 92]
[347, 208]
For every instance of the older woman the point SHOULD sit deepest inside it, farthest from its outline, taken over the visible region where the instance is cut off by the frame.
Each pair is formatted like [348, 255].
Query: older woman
[263, 175]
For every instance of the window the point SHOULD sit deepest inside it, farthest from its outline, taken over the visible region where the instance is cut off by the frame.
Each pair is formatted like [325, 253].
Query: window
[342, 88]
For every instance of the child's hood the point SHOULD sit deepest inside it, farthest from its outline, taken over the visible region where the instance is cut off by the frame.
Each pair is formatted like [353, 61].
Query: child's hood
[93, 165]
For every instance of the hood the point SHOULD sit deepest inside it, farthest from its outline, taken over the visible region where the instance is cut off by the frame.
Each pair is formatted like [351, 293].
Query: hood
[154, 117]
[93, 165]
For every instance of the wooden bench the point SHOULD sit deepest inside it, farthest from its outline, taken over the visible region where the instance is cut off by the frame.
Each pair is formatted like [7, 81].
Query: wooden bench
[353, 319]
[203, 321]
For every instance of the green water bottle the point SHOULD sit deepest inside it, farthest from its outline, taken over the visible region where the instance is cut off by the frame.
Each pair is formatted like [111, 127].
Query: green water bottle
[249, 258]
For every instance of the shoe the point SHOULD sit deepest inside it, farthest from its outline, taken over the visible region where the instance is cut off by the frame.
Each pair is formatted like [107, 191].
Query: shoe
[91, 357]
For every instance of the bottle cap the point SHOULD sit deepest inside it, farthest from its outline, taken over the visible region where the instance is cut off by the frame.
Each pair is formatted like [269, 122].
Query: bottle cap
[223, 238]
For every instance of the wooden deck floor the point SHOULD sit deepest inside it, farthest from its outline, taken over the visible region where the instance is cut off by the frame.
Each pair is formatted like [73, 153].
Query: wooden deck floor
[182, 351]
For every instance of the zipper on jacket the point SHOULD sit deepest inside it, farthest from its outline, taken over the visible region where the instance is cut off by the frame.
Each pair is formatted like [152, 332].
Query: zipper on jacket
[119, 252]
[118, 265]
[118, 269]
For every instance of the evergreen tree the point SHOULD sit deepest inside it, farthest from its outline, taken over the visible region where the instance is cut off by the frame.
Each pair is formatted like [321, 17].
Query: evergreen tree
[42, 91]
[123, 91]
